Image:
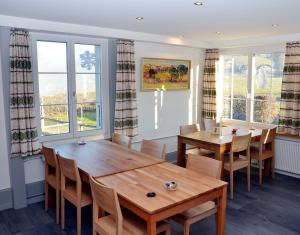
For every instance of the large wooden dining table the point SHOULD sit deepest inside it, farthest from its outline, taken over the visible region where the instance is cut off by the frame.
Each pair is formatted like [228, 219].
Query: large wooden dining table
[207, 140]
[193, 189]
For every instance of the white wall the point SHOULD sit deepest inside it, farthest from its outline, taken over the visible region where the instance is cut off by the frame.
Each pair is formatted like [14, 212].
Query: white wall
[4, 171]
[160, 113]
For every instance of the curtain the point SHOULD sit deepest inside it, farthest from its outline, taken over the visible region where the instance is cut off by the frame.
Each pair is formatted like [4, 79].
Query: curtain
[126, 120]
[289, 118]
[24, 135]
[209, 84]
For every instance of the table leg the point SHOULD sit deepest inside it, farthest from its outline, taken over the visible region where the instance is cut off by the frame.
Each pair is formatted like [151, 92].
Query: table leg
[219, 155]
[151, 227]
[267, 166]
[221, 213]
[181, 152]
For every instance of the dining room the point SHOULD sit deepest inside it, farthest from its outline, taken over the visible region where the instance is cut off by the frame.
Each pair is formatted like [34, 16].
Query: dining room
[128, 118]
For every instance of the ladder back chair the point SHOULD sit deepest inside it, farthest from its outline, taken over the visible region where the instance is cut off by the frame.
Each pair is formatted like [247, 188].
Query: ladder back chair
[52, 178]
[73, 189]
[237, 159]
[153, 148]
[265, 149]
[207, 166]
[105, 199]
[121, 139]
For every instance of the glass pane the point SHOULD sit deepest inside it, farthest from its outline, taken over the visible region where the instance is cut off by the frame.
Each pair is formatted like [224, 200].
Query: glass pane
[52, 56]
[260, 113]
[239, 109]
[54, 119]
[226, 108]
[87, 87]
[277, 74]
[88, 116]
[53, 89]
[227, 79]
[262, 76]
[240, 76]
[87, 58]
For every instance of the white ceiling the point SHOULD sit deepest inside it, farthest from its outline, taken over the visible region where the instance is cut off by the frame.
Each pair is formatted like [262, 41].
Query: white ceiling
[235, 19]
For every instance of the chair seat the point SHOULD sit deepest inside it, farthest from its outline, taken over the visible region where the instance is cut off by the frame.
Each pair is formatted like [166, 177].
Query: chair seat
[238, 163]
[71, 195]
[254, 153]
[132, 225]
[51, 179]
[197, 213]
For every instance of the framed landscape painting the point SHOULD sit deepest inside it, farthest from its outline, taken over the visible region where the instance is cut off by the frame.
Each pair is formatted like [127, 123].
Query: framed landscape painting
[165, 74]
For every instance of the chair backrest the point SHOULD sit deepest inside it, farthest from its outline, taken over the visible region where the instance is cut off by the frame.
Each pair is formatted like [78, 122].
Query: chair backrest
[121, 139]
[153, 148]
[240, 143]
[204, 165]
[50, 157]
[187, 129]
[209, 124]
[68, 168]
[267, 135]
[106, 198]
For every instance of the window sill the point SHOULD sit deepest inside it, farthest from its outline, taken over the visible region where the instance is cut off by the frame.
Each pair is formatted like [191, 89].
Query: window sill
[288, 136]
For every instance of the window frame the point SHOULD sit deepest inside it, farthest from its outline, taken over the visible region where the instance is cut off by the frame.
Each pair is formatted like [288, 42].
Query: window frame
[70, 41]
[250, 53]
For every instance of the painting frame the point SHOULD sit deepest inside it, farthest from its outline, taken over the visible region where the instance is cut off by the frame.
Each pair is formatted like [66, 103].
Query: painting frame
[163, 85]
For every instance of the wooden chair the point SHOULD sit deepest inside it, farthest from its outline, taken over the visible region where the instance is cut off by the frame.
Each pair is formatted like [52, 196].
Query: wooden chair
[188, 129]
[263, 150]
[209, 124]
[240, 144]
[121, 139]
[106, 200]
[52, 177]
[207, 166]
[153, 148]
[73, 189]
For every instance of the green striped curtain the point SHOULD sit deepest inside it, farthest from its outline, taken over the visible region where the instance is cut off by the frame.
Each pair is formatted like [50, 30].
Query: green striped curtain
[126, 120]
[289, 119]
[209, 84]
[24, 135]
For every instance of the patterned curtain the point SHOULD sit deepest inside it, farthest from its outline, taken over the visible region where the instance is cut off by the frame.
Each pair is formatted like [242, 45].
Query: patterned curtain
[289, 119]
[24, 135]
[126, 120]
[209, 84]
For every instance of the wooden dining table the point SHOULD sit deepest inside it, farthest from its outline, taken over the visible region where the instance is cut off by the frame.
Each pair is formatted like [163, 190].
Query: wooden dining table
[208, 140]
[193, 189]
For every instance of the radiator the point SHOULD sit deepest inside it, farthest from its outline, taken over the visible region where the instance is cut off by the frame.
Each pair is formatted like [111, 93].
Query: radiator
[287, 154]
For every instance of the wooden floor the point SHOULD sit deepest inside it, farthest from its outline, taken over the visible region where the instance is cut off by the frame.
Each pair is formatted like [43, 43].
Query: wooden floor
[272, 209]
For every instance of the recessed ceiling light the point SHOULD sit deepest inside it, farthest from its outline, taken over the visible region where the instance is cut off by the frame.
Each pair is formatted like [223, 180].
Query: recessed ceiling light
[139, 18]
[218, 32]
[275, 25]
[198, 3]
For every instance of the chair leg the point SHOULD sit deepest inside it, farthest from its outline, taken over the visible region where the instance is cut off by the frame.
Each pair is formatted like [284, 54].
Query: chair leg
[78, 220]
[62, 212]
[186, 229]
[231, 184]
[260, 171]
[273, 167]
[168, 230]
[46, 195]
[57, 206]
[249, 178]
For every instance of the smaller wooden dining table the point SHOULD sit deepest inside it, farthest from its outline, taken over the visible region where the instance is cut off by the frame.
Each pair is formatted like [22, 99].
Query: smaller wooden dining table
[207, 140]
[193, 189]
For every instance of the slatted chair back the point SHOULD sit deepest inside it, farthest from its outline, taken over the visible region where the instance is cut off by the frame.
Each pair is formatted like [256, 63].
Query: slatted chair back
[240, 143]
[187, 129]
[69, 168]
[204, 165]
[106, 198]
[153, 148]
[50, 157]
[268, 136]
[121, 139]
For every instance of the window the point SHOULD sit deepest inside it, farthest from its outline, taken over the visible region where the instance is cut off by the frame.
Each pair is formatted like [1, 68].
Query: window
[69, 78]
[249, 87]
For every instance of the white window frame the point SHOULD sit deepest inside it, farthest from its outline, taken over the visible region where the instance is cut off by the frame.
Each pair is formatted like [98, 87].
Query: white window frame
[70, 41]
[250, 52]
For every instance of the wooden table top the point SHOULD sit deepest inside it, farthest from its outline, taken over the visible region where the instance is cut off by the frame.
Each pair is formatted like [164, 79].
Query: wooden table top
[134, 185]
[207, 136]
[100, 158]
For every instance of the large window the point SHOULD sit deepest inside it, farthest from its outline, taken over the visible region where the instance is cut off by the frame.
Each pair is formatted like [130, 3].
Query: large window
[69, 78]
[249, 87]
